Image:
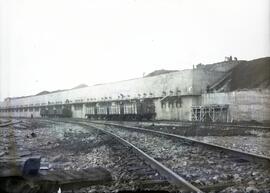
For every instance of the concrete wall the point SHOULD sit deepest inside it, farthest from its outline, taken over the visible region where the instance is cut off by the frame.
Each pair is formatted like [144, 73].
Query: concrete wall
[181, 80]
[243, 105]
[20, 114]
[79, 112]
[175, 111]
[187, 83]
[201, 78]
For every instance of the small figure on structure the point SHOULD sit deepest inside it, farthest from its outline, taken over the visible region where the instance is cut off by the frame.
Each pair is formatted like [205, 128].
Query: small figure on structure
[229, 59]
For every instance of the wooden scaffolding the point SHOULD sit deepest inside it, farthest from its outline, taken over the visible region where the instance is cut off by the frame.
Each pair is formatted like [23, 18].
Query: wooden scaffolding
[210, 113]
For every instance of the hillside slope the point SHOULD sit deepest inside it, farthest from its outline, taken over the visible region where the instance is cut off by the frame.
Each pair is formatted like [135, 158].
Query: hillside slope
[251, 74]
[158, 72]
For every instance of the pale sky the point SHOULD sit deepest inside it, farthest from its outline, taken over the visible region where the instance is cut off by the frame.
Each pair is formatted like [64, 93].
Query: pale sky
[58, 44]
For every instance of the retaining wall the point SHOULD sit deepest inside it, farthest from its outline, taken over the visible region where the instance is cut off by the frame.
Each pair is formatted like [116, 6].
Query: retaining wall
[243, 105]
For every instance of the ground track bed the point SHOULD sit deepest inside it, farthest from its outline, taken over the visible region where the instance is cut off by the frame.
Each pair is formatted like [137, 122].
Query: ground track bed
[66, 146]
[208, 169]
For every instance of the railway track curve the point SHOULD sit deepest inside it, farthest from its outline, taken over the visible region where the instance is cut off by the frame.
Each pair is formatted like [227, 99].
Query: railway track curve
[246, 169]
[172, 177]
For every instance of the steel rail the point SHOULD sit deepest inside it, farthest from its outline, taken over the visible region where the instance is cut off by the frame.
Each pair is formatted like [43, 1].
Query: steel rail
[171, 176]
[212, 124]
[172, 179]
[243, 155]
[9, 123]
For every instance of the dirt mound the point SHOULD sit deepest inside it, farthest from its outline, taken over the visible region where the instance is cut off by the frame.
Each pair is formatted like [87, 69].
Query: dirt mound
[43, 92]
[251, 74]
[158, 72]
[80, 86]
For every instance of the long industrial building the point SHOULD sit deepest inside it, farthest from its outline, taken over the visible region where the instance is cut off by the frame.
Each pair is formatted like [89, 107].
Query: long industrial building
[192, 94]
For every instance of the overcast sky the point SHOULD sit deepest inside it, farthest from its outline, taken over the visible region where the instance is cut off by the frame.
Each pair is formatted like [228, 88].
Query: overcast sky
[58, 44]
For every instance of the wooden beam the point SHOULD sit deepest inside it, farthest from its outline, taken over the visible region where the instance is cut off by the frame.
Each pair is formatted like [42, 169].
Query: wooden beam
[10, 166]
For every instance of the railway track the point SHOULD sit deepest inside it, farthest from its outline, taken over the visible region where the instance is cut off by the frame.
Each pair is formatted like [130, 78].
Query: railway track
[191, 124]
[242, 154]
[245, 139]
[129, 168]
[164, 173]
[188, 164]
[216, 167]
[209, 124]
[8, 123]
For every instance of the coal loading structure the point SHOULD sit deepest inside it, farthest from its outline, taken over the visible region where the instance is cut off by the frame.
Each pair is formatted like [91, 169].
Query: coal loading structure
[186, 95]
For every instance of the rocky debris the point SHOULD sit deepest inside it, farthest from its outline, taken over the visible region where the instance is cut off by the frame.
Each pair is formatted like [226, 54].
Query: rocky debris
[58, 158]
[252, 189]
[33, 135]
[250, 140]
[256, 145]
[66, 147]
[105, 152]
[3, 153]
[198, 129]
[196, 164]
[9, 123]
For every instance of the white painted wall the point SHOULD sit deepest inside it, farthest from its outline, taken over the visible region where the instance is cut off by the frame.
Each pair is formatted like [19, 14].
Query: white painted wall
[243, 105]
[188, 82]
[176, 112]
